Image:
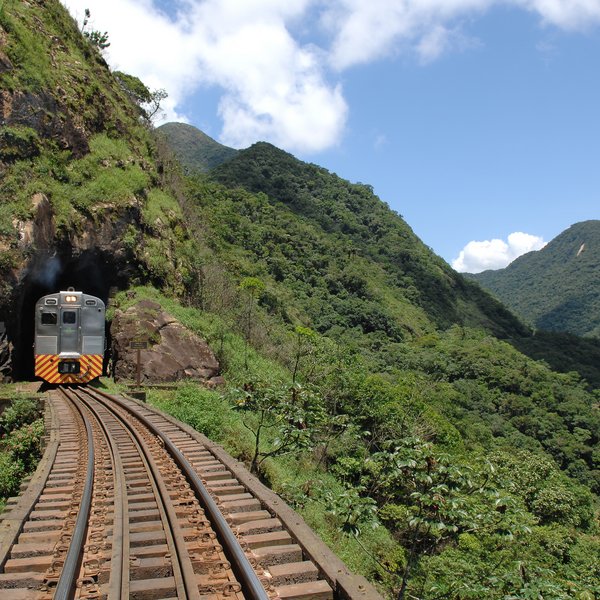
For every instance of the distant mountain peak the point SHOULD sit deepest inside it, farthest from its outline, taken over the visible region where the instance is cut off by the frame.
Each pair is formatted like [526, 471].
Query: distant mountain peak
[195, 150]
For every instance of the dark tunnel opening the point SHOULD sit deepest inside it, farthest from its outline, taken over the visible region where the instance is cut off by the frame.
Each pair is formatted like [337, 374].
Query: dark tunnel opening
[93, 272]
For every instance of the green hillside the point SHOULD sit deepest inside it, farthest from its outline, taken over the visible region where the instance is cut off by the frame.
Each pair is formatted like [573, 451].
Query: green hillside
[376, 242]
[556, 288]
[367, 382]
[196, 151]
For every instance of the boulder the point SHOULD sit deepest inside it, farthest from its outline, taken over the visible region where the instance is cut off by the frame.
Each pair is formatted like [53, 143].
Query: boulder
[173, 354]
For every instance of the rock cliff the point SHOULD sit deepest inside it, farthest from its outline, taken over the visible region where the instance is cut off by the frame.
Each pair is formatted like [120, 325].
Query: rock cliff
[173, 353]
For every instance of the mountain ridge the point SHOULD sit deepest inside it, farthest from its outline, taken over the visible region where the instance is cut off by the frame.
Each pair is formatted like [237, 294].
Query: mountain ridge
[556, 288]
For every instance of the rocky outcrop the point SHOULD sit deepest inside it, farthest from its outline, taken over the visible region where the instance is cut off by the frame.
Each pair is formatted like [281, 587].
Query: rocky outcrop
[5, 64]
[48, 118]
[174, 353]
[5, 355]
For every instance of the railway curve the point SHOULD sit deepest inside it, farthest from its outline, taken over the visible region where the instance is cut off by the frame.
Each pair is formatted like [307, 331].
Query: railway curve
[127, 502]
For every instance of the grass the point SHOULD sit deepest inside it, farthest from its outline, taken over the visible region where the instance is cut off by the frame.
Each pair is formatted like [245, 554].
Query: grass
[161, 209]
[207, 411]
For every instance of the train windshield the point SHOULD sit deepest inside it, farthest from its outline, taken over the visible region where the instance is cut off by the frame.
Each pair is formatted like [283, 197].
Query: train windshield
[69, 317]
[49, 318]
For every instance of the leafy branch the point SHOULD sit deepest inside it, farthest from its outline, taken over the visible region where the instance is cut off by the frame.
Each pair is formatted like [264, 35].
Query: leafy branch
[97, 38]
[282, 418]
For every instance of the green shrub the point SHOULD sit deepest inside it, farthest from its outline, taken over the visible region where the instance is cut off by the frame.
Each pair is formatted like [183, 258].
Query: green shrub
[24, 445]
[11, 473]
[20, 412]
[21, 447]
[156, 257]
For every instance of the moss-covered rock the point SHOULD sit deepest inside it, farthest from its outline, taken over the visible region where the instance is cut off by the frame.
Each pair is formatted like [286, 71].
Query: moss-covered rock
[18, 143]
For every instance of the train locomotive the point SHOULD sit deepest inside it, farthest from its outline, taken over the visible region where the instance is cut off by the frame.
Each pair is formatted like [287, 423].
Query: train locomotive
[69, 337]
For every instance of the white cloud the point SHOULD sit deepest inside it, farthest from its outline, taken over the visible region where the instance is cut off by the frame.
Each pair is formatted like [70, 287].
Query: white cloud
[276, 89]
[495, 254]
[274, 86]
[366, 31]
[574, 15]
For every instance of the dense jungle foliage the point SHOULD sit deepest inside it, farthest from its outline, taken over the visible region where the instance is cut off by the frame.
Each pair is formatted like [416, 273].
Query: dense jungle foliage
[367, 382]
[558, 287]
[366, 234]
[428, 478]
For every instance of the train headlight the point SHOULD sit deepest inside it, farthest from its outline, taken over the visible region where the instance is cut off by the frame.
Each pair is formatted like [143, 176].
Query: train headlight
[70, 298]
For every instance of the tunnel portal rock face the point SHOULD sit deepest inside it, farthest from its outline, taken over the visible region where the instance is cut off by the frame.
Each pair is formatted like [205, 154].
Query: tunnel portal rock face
[45, 259]
[83, 202]
[94, 272]
[90, 259]
[174, 353]
[5, 355]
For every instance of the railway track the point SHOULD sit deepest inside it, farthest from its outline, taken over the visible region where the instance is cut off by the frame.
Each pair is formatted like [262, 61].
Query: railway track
[129, 503]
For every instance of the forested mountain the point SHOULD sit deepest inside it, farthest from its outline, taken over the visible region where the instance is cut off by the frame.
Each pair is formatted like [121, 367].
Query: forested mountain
[556, 288]
[366, 381]
[379, 255]
[195, 150]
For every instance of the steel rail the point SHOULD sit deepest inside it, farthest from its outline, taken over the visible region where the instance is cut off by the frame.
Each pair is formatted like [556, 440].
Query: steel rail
[119, 572]
[183, 570]
[243, 570]
[69, 574]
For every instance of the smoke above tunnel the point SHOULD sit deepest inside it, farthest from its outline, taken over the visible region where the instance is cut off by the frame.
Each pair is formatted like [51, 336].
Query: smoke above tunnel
[46, 273]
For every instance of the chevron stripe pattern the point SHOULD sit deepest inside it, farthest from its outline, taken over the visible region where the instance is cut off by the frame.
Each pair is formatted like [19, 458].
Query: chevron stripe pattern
[46, 367]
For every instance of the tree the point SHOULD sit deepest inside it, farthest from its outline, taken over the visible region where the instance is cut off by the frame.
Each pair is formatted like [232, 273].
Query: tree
[429, 500]
[149, 102]
[282, 418]
[98, 39]
[251, 288]
[305, 338]
[153, 106]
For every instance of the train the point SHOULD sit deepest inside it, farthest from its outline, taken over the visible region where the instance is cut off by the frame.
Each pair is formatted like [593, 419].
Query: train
[69, 339]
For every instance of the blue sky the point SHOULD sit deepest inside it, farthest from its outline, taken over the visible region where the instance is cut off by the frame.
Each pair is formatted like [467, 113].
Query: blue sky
[476, 120]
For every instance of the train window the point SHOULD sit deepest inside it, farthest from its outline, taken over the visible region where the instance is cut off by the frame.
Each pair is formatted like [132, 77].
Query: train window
[69, 317]
[49, 318]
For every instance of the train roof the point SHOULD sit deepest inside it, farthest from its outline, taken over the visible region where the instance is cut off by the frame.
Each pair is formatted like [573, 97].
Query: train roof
[62, 297]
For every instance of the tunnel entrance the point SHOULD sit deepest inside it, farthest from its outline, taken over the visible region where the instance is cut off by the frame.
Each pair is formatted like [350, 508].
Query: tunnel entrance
[93, 272]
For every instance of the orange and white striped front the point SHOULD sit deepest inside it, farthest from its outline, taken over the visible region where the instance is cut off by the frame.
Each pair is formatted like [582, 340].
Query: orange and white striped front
[46, 367]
